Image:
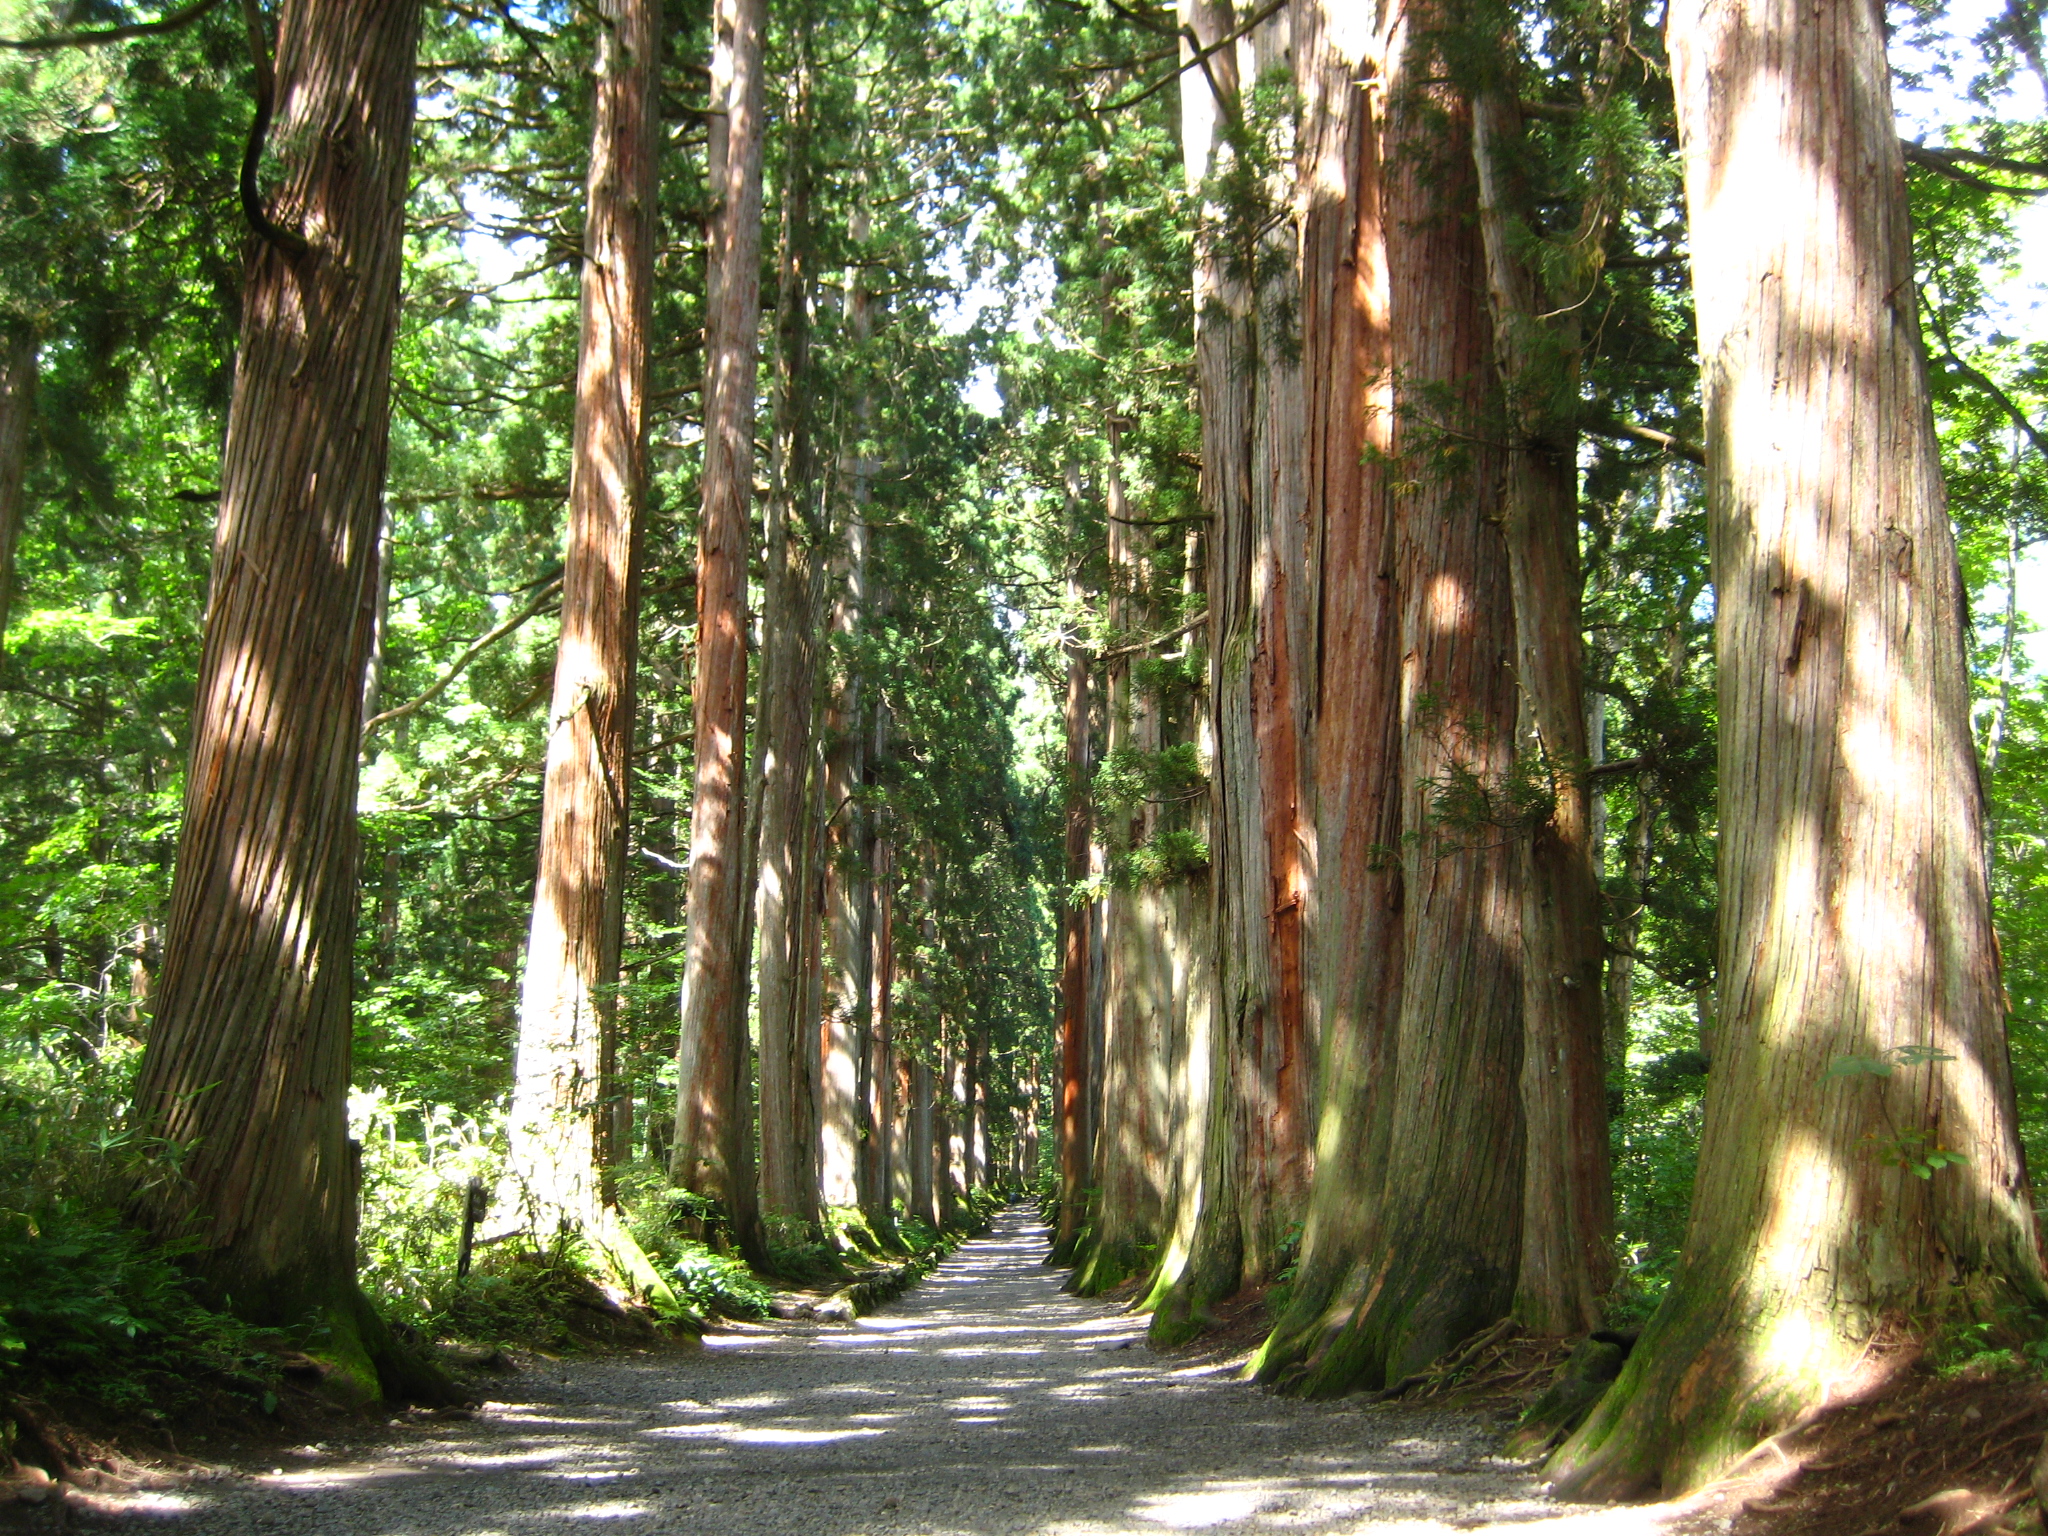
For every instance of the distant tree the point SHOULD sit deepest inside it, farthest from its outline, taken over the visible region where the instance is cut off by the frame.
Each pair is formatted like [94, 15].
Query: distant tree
[17, 409]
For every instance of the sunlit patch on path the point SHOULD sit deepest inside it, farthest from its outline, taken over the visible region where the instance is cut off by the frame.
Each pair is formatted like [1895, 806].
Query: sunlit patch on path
[984, 1403]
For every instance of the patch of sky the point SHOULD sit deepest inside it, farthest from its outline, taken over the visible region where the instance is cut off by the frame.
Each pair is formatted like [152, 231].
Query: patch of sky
[1940, 85]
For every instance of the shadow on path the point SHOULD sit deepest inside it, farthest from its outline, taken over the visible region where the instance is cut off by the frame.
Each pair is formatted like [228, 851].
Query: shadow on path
[983, 1403]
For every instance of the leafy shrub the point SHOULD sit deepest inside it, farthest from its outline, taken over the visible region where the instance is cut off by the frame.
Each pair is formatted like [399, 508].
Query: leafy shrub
[667, 1224]
[717, 1282]
[418, 1160]
[91, 1306]
[515, 1295]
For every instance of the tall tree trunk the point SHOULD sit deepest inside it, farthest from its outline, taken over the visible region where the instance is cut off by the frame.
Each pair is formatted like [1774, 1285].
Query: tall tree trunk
[974, 1093]
[1277, 1052]
[1131, 1151]
[1348, 378]
[849, 890]
[1855, 924]
[247, 1066]
[922, 1138]
[1567, 1262]
[946, 1148]
[1261, 588]
[788, 1183]
[878, 1109]
[17, 411]
[567, 1046]
[1203, 1258]
[1445, 1236]
[711, 1149]
[1075, 1086]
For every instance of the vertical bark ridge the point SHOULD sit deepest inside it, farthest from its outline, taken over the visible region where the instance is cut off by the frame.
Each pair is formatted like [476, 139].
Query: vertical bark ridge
[247, 1065]
[711, 1148]
[1347, 374]
[564, 1062]
[1855, 911]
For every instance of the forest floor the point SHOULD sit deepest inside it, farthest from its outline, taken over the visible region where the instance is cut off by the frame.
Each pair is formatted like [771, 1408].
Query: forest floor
[982, 1402]
[986, 1403]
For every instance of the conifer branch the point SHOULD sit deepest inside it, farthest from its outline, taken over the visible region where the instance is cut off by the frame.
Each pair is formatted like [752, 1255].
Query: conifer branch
[1950, 163]
[1199, 60]
[1145, 645]
[1677, 447]
[120, 34]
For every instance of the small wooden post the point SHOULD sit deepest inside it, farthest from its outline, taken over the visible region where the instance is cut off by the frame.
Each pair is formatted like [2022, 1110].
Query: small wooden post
[474, 1206]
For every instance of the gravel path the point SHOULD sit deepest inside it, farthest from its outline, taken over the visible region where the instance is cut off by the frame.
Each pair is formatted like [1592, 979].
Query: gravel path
[982, 1403]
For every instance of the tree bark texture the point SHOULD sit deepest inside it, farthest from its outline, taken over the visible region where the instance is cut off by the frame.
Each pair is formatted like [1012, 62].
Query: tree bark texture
[1445, 1237]
[879, 1151]
[847, 1022]
[1855, 915]
[712, 1065]
[1074, 1151]
[789, 1183]
[849, 890]
[568, 1000]
[247, 1065]
[923, 1202]
[1132, 1149]
[1203, 1259]
[17, 412]
[1261, 587]
[1348, 381]
[1567, 1262]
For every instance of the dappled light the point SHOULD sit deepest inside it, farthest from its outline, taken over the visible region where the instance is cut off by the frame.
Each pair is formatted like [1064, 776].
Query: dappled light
[982, 1402]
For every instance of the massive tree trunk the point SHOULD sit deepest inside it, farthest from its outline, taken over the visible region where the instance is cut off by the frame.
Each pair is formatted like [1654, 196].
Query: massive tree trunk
[919, 1144]
[711, 1148]
[247, 1067]
[17, 410]
[568, 1003]
[1261, 592]
[1203, 1257]
[878, 1103]
[1861, 1037]
[1444, 1239]
[789, 1185]
[849, 891]
[1567, 1262]
[1347, 372]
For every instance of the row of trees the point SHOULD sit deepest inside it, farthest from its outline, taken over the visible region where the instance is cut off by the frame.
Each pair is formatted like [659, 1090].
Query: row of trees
[1439, 313]
[830, 807]
[1323, 627]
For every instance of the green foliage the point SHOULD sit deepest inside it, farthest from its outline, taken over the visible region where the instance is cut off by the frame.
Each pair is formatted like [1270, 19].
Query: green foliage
[670, 1225]
[418, 1160]
[89, 1307]
[516, 1296]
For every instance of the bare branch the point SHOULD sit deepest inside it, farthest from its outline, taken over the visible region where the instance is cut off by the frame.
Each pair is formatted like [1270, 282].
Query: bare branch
[476, 649]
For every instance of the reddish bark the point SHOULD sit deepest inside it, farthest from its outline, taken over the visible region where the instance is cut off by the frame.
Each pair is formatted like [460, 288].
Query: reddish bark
[247, 1066]
[566, 1059]
[711, 1147]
